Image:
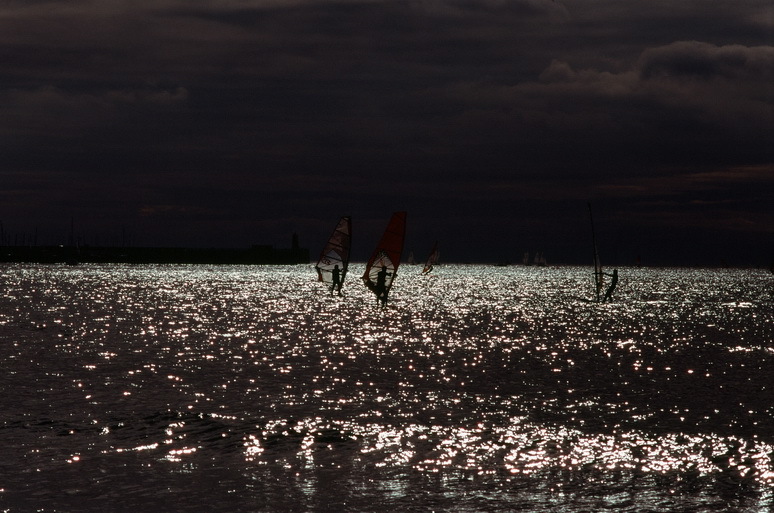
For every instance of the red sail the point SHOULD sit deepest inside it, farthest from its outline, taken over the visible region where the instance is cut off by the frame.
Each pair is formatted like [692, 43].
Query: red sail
[386, 256]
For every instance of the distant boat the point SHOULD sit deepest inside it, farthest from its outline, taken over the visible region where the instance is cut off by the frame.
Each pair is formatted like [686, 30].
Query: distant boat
[432, 260]
[410, 260]
[525, 259]
[335, 256]
[381, 268]
[599, 278]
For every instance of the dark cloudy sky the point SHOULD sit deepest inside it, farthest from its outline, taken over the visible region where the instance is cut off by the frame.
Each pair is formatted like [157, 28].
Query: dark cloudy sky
[492, 122]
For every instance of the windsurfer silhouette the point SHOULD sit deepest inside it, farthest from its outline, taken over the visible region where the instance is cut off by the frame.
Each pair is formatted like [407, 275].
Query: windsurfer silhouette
[381, 286]
[611, 288]
[336, 279]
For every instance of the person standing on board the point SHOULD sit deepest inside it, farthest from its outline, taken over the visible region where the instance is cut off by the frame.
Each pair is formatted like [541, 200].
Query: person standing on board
[611, 288]
[336, 279]
[381, 286]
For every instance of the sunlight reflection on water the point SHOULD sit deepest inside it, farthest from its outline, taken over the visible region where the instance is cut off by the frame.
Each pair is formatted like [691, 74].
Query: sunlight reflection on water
[495, 379]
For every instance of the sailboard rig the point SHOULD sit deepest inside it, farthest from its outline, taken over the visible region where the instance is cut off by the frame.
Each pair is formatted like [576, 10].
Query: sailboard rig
[599, 279]
[381, 267]
[432, 259]
[334, 259]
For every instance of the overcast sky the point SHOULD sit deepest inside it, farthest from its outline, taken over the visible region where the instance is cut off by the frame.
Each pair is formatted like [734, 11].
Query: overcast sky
[492, 122]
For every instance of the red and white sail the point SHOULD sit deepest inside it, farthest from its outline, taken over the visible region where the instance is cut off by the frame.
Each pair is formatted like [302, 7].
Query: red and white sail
[336, 252]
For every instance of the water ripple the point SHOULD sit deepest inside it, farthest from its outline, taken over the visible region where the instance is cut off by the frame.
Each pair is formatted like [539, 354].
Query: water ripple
[478, 388]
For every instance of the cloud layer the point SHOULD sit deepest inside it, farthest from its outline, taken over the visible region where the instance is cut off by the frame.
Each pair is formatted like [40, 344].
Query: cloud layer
[492, 122]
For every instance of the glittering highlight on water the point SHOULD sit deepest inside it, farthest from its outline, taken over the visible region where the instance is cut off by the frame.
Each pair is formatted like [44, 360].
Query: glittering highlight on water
[250, 388]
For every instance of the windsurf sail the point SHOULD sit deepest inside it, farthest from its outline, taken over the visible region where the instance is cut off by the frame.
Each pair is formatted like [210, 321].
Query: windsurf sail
[381, 267]
[336, 254]
[432, 259]
[599, 281]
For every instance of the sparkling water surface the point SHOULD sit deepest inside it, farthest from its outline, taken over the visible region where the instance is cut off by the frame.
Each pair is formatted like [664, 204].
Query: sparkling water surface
[479, 388]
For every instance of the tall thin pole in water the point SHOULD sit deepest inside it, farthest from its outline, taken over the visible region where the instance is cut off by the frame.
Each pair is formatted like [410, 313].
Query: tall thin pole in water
[597, 264]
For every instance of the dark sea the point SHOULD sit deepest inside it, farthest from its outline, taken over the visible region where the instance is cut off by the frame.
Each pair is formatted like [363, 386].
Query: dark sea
[478, 389]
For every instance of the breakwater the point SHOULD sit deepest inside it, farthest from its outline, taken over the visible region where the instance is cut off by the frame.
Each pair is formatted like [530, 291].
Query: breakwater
[152, 255]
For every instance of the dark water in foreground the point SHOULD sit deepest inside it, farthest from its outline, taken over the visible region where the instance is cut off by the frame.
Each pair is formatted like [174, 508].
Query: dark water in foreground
[249, 389]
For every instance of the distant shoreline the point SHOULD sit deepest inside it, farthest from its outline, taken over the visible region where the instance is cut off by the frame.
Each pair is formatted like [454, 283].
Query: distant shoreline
[266, 255]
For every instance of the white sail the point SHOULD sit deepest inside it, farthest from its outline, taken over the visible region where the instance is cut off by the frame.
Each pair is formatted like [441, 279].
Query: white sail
[432, 260]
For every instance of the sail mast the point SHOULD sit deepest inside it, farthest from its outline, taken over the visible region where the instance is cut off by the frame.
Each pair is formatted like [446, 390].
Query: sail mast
[598, 277]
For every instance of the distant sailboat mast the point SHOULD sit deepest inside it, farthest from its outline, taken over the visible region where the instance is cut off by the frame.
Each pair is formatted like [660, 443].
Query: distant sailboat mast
[598, 276]
[771, 263]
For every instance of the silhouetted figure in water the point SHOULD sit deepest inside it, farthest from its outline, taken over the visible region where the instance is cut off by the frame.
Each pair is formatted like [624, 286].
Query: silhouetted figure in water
[611, 288]
[381, 286]
[336, 280]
